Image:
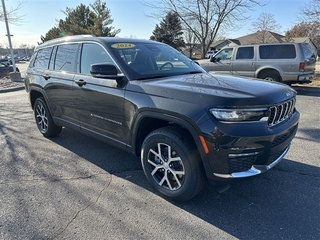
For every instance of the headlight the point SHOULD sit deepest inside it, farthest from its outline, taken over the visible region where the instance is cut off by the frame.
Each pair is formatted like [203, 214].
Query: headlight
[237, 115]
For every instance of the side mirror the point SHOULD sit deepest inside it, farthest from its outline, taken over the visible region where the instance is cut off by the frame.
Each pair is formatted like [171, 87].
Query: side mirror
[213, 59]
[105, 70]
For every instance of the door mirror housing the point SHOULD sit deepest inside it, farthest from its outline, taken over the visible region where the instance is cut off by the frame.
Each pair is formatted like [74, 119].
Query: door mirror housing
[105, 70]
[213, 59]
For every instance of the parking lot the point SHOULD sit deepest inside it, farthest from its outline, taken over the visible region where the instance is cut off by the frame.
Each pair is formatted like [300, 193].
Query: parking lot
[74, 187]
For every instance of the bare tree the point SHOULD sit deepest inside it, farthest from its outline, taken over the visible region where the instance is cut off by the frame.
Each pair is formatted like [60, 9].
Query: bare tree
[191, 42]
[12, 14]
[305, 29]
[264, 24]
[209, 15]
[311, 11]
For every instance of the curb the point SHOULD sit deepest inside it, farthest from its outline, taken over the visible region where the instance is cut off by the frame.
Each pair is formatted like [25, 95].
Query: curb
[5, 90]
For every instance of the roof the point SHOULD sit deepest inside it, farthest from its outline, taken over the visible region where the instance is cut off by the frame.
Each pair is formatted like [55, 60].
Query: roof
[80, 38]
[259, 37]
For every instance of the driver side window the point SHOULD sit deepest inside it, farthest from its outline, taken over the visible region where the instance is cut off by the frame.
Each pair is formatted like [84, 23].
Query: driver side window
[93, 53]
[225, 54]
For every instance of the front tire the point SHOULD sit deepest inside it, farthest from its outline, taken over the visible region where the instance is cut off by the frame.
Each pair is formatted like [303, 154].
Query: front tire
[172, 164]
[44, 120]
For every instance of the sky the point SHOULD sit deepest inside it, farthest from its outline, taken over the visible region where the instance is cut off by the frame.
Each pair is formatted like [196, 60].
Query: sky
[131, 16]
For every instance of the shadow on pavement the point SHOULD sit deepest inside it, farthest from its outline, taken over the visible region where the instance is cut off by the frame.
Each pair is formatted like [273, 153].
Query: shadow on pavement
[307, 91]
[282, 203]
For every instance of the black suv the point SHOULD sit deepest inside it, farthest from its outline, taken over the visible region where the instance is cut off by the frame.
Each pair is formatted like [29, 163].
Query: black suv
[149, 99]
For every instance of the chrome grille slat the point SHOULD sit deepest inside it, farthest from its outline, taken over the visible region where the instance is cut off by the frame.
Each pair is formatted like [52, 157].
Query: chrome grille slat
[281, 112]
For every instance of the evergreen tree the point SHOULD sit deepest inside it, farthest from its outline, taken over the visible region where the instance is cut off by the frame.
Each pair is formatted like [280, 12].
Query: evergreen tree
[102, 20]
[94, 19]
[169, 31]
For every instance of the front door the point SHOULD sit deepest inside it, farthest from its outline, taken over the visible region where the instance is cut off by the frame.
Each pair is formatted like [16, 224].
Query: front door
[99, 101]
[221, 62]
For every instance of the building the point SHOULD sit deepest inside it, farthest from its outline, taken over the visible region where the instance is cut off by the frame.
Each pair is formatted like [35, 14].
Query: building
[258, 37]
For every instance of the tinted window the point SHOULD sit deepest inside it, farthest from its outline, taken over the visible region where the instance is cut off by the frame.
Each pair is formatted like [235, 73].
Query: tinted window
[93, 53]
[66, 57]
[283, 51]
[245, 53]
[308, 51]
[42, 58]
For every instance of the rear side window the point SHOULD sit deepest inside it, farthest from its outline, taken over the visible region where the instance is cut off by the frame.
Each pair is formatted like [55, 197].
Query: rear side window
[43, 57]
[308, 51]
[66, 57]
[245, 53]
[281, 51]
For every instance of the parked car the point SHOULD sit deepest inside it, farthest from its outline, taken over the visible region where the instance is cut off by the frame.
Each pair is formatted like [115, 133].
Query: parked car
[6, 69]
[5, 61]
[147, 98]
[209, 54]
[24, 58]
[280, 62]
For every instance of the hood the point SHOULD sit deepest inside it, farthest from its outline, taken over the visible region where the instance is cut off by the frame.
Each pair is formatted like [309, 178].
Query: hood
[216, 90]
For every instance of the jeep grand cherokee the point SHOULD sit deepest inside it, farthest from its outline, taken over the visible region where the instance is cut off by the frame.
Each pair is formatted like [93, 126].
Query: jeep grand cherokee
[152, 101]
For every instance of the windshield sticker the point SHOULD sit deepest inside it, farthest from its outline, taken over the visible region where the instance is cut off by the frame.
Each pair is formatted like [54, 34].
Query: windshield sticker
[123, 45]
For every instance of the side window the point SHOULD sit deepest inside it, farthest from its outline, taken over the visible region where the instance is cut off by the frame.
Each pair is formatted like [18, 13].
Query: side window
[42, 58]
[309, 51]
[92, 53]
[283, 51]
[66, 57]
[245, 53]
[225, 54]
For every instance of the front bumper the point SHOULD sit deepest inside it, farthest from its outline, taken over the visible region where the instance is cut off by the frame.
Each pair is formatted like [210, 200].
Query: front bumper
[254, 170]
[240, 151]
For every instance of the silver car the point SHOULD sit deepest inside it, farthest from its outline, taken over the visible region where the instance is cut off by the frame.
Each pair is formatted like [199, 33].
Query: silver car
[281, 62]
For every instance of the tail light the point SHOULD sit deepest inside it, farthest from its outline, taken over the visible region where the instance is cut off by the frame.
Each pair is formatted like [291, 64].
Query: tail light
[301, 66]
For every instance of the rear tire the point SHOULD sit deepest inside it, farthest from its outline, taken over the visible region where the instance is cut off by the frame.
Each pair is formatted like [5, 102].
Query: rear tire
[44, 120]
[270, 77]
[172, 164]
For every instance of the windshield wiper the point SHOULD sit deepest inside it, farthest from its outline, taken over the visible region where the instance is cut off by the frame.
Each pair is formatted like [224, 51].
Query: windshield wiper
[193, 72]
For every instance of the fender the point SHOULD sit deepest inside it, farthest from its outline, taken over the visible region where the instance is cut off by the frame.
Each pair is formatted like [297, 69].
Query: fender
[36, 89]
[268, 67]
[169, 117]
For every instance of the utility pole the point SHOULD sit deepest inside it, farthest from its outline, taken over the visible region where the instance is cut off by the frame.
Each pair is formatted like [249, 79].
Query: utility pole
[8, 34]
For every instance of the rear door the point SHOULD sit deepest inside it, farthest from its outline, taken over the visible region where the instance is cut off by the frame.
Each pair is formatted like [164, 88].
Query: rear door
[244, 63]
[59, 79]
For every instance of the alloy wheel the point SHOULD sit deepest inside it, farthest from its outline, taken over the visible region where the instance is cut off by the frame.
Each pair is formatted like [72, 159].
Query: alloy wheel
[42, 119]
[167, 167]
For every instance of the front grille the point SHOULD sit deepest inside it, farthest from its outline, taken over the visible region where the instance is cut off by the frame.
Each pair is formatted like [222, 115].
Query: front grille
[281, 112]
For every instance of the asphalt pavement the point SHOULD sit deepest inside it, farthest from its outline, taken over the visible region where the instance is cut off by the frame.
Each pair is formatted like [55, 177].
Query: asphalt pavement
[75, 187]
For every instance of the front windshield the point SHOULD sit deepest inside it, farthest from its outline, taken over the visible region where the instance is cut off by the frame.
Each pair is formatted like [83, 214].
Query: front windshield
[146, 60]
